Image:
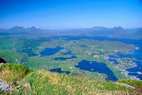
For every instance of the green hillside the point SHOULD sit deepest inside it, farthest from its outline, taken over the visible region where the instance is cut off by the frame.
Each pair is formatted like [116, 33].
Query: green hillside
[24, 81]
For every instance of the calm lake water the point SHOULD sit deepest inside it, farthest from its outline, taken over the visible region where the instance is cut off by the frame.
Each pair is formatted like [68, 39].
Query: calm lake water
[59, 70]
[94, 66]
[63, 58]
[50, 51]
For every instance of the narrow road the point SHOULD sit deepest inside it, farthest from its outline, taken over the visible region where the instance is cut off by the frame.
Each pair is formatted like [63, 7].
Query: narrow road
[126, 85]
[129, 86]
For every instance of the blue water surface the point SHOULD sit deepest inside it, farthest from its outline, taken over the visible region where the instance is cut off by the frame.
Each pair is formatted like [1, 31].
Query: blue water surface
[50, 51]
[63, 58]
[59, 70]
[94, 66]
[114, 61]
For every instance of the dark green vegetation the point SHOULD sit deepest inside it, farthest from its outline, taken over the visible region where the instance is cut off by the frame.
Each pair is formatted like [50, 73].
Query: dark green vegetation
[28, 82]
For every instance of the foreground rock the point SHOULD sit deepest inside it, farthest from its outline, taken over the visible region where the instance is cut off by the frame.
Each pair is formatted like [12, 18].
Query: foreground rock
[4, 86]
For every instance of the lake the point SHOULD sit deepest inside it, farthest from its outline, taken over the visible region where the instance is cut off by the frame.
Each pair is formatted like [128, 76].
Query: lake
[59, 70]
[63, 58]
[50, 51]
[94, 66]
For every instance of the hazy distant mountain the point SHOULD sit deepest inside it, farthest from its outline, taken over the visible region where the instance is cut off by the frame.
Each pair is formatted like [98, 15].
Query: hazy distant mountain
[137, 33]
[21, 31]
[96, 31]
[17, 29]
[115, 32]
[99, 28]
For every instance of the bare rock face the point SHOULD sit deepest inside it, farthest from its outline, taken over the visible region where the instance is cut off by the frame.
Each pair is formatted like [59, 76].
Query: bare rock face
[4, 86]
[2, 61]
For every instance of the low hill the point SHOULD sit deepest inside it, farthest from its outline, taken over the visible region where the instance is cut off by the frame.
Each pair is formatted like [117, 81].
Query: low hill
[24, 81]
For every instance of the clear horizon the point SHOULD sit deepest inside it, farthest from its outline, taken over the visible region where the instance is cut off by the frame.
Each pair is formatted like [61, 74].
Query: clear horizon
[69, 14]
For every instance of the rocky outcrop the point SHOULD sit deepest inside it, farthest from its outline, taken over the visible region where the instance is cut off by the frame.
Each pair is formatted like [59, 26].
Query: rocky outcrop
[2, 61]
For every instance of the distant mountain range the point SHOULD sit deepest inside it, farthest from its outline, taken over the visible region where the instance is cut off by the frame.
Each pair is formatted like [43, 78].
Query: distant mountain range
[115, 32]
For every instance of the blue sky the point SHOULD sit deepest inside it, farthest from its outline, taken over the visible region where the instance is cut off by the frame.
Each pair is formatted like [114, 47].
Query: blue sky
[71, 13]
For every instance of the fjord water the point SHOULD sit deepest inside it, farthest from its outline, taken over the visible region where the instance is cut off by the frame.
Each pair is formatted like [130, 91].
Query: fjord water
[137, 54]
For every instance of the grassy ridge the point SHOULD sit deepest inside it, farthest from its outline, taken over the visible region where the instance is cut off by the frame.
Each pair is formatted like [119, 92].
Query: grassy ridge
[43, 82]
[27, 82]
[13, 72]
[135, 83]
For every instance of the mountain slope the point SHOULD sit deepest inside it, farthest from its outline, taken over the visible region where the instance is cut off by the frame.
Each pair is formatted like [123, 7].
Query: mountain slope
[24, 81]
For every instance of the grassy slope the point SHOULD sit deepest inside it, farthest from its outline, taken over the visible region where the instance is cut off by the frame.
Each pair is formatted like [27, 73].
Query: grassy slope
[44, 82]
[135, 83]
[13, 72]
